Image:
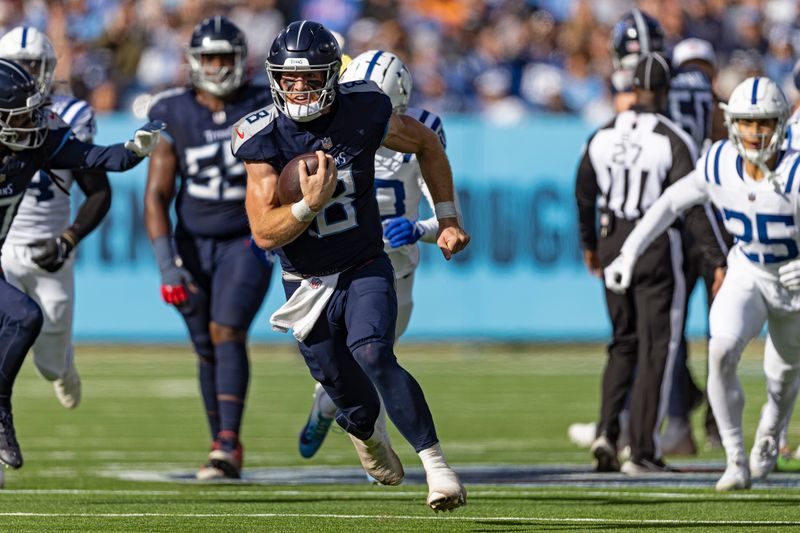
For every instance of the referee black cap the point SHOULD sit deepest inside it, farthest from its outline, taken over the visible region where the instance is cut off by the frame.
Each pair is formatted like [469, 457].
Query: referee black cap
[652, 73]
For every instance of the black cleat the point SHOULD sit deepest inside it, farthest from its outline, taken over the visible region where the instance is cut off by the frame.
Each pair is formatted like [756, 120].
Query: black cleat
[10, 454]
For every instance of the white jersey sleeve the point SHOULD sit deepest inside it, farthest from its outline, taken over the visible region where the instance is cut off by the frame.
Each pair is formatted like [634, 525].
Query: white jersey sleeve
[686, 192]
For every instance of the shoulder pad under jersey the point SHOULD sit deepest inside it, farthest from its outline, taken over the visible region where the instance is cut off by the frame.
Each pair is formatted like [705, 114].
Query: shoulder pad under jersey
[431, 120]
[251, 124]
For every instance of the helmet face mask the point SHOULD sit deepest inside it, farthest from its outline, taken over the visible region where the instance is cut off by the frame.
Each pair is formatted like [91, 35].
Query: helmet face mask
[212, 38]
[754, 106]
[25, 127]
[32, 50]
[302, 48]
[385, 69]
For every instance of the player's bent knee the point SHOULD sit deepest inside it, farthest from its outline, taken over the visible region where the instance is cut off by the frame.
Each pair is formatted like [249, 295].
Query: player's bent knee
[724, 353]
[29, 317]
[376, 358]
[220, 334]
[359, 421]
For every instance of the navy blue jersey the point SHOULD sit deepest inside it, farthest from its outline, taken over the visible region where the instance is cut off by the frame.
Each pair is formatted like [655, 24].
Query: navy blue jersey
[691, 104]
[348, 230]
[210, 200]
[60, 150]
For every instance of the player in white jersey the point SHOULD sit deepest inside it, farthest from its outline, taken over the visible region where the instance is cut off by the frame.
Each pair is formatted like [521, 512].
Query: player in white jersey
[399, 187]
[37, 255]
[755, 185]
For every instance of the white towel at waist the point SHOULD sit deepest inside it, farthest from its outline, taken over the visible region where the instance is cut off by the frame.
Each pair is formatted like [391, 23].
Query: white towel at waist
[302, 309]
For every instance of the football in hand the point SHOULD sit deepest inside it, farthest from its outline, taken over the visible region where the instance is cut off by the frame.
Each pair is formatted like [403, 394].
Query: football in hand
[289, 190]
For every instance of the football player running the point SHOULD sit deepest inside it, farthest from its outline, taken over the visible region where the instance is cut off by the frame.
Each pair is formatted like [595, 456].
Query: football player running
[339, 282]
[33, 138]
[399, 187]
[755, 185]
[38, 252]
[207, 269]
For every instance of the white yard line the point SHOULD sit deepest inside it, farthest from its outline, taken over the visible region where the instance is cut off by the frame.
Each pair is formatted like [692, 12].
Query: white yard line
[408, 517]
[378, 493]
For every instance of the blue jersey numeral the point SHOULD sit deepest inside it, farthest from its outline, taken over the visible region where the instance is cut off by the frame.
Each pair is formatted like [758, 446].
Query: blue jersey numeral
[399, 194]
[44, 185]
[762, 230]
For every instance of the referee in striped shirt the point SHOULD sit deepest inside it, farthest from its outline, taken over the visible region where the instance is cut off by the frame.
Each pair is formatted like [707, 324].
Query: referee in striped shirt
[625, 167]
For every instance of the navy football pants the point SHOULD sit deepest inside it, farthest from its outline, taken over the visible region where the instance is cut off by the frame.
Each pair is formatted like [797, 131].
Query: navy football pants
[350, 352]
[232, 283]
[20, 322]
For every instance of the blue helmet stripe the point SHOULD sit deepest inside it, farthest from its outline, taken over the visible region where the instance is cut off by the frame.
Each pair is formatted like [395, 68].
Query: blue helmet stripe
[716, 162]
[755, 91]
[24, 36]
[791, 176]
[372, 63]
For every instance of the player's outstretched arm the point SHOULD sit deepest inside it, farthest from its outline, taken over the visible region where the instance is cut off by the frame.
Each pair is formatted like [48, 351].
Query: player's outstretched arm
[274, 225]
[406, 134]
[74, 154]
[676, 199]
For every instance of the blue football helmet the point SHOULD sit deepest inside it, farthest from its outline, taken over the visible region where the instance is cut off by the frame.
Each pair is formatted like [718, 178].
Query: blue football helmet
[304, 46]
[635, 33]
[23, 124]
[213, 36]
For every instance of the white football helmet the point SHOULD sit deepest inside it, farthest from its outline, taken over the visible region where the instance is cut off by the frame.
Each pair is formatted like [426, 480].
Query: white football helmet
[31, 49]
[757, 98]
[385, 69]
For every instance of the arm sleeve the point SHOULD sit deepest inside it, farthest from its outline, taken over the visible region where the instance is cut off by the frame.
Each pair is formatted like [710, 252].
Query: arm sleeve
[94, 184]
[684, 157]
[703, 233]
[586, 192]
[73, 154]
[687, 192]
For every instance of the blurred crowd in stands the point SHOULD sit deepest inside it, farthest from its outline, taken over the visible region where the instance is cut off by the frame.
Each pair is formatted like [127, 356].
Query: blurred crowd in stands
[501, 58]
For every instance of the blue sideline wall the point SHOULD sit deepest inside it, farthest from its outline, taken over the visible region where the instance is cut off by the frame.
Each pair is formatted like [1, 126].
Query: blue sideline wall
[521, 279]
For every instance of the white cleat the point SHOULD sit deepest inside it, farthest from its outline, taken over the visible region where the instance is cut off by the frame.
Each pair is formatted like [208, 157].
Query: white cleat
[763, 457]
[736, 476]
[445, 491]
[378, 458]
[581, 434]
[68, 389]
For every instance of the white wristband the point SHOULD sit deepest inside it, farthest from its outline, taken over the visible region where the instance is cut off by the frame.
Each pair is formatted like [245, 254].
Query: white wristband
[302, 212]
[445, 210]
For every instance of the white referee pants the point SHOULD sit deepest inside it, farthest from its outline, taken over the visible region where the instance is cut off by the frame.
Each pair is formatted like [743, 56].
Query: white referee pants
[745, 301]
[55, 294]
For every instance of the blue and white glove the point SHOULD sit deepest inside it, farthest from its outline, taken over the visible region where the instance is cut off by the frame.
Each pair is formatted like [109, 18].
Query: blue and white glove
[146, 138]
[401, 231]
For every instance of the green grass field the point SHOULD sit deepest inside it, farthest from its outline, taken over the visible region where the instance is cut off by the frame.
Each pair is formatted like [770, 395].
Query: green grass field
[92, 469]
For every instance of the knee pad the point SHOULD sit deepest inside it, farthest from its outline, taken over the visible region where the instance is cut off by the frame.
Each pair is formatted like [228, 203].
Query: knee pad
[30, 317]
[203, 347]
[724, 353]
[359, 421]
[376, 358]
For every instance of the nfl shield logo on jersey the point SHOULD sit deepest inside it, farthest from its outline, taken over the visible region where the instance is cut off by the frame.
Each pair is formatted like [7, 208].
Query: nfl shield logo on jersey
[327, 143]
[315, 283]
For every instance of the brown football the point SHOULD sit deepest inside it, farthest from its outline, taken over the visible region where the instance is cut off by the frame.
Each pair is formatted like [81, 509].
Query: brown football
[289, 190]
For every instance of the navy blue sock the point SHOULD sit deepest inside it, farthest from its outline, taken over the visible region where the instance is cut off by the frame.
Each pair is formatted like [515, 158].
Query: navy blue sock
[206, 370]
[20, 323]
[233, 376]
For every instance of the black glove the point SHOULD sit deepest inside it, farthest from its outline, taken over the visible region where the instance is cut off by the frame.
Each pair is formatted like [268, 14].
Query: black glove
[50, 254]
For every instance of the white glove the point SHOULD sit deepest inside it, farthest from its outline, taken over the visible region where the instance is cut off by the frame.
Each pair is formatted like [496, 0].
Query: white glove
[618, 274]
[789, 275]
[146, 138]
